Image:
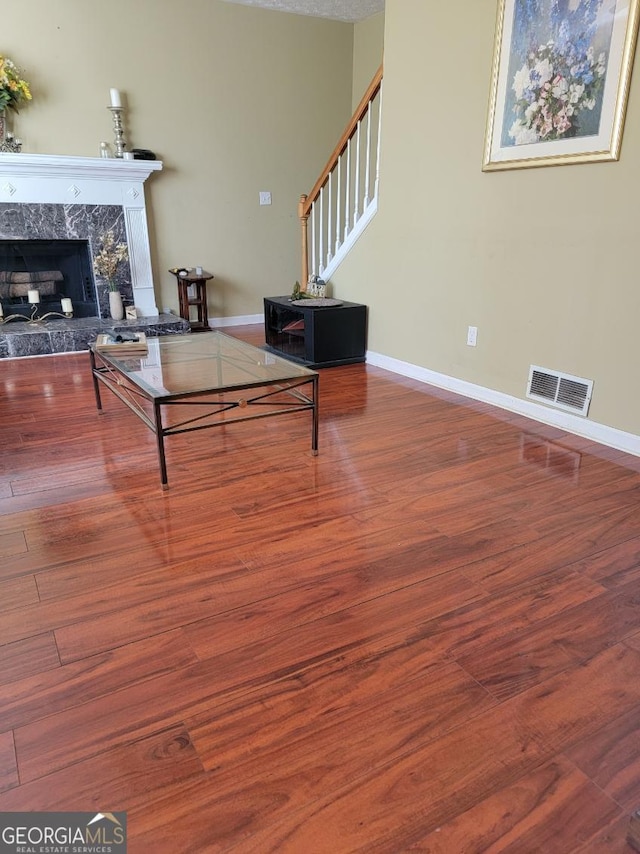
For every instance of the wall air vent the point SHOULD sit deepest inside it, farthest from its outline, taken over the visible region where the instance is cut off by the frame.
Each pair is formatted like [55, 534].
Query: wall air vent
[563, 391]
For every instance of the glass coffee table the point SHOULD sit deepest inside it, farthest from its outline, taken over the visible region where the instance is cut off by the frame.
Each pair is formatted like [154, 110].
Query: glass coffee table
[193, 382]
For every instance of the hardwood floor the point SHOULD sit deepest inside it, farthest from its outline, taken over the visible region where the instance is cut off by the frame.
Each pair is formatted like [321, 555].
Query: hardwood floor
[425, 639]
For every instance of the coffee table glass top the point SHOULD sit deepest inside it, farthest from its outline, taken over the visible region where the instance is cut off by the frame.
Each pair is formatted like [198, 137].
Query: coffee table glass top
[210, 361]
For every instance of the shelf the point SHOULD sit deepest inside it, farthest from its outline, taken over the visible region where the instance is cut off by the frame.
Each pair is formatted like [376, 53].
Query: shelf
[294, 326]
[316, 336]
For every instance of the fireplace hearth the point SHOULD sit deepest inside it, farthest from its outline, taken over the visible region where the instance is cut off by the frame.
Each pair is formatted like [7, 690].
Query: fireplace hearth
[18, 339]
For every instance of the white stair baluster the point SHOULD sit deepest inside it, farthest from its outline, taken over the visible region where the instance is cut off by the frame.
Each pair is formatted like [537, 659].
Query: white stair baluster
[356, 192]
[347, 193]
[367, 173]
[321, 228]
[339, 203]
[313, 242]
[329, 220]
[375, 189]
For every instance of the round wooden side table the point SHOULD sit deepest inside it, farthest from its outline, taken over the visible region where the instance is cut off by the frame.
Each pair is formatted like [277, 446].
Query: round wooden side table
[198, 281]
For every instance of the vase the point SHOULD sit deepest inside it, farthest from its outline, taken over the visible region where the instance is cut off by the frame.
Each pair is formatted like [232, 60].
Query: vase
[8, 144]
[116, 308]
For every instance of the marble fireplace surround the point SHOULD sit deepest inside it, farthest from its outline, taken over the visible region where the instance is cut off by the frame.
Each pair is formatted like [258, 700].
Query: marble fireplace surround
[49, 197]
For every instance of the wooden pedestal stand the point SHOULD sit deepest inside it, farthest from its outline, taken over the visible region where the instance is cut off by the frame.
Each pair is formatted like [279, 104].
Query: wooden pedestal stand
[187, 279]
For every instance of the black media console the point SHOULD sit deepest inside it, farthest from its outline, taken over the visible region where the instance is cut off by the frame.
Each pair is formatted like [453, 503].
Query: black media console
[316, 336]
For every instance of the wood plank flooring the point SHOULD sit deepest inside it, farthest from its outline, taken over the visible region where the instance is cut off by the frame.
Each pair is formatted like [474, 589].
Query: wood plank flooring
[425, 639]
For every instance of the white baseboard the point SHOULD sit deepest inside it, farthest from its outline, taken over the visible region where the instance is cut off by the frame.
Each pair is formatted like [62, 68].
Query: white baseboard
[239, 320]
[610, 436]
[593, 430]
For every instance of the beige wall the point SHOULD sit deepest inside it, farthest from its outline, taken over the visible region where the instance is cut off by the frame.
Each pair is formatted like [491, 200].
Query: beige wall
[543, 261]
[229, 97]
[368, 46]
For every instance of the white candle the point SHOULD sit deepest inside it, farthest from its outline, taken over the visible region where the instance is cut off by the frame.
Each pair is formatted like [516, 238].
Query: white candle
[1, 311]
[67, 305]
[33, 296]
[116, 101]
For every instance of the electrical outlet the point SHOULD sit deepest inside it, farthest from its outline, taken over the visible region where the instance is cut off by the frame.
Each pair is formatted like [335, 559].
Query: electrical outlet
[472, 336]
[265, 197]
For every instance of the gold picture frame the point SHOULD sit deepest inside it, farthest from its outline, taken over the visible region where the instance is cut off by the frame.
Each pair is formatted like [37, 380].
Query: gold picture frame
[560, 82]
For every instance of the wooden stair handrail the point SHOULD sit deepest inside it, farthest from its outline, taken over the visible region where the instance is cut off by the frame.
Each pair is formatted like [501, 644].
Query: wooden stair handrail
[361, 109]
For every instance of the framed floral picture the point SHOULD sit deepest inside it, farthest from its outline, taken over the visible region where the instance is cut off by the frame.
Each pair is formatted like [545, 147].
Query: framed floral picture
[560, 81]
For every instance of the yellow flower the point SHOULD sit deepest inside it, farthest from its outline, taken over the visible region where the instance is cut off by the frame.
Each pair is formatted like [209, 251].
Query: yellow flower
[13, 89]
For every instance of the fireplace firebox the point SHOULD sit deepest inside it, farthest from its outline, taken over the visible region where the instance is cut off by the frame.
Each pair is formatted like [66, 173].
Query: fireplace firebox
[55, 268]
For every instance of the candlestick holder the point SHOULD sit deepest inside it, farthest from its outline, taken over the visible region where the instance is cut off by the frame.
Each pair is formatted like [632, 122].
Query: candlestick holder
[118, 130]
[35, 319]
[42, 318]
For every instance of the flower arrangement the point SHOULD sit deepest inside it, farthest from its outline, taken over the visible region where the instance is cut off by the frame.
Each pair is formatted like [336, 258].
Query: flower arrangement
[13, 89]
[552, 89]
[108, 259]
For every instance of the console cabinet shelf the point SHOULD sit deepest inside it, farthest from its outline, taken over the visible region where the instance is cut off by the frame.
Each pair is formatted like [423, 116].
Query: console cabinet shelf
[319, 337]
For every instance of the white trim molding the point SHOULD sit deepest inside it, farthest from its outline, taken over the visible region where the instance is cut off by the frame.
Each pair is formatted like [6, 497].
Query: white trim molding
[343, 250]
[43, 166]
[238, 320]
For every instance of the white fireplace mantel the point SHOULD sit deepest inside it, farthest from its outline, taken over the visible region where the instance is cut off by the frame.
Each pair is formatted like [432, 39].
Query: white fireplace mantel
[59, 166]
[49, 179]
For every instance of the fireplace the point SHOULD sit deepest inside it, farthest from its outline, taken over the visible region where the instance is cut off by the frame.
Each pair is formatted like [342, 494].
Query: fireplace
[55, 268]
[69, 203]
[50, 198]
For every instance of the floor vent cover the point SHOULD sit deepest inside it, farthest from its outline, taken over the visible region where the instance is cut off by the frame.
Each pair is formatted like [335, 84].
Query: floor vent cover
[561, 390]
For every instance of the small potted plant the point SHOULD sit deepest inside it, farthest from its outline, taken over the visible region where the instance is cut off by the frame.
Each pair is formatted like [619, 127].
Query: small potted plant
[106, 264]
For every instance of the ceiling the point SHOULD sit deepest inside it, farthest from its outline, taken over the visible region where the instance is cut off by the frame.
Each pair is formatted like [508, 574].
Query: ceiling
[338, 10]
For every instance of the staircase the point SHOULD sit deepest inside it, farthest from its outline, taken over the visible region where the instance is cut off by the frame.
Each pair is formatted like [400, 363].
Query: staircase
[344, 199]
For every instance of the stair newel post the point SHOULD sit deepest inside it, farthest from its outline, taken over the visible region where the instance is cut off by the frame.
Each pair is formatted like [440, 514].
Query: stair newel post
[305, 248]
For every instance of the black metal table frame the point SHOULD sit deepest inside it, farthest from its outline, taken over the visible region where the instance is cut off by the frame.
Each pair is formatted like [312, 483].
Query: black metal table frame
[133, 397]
